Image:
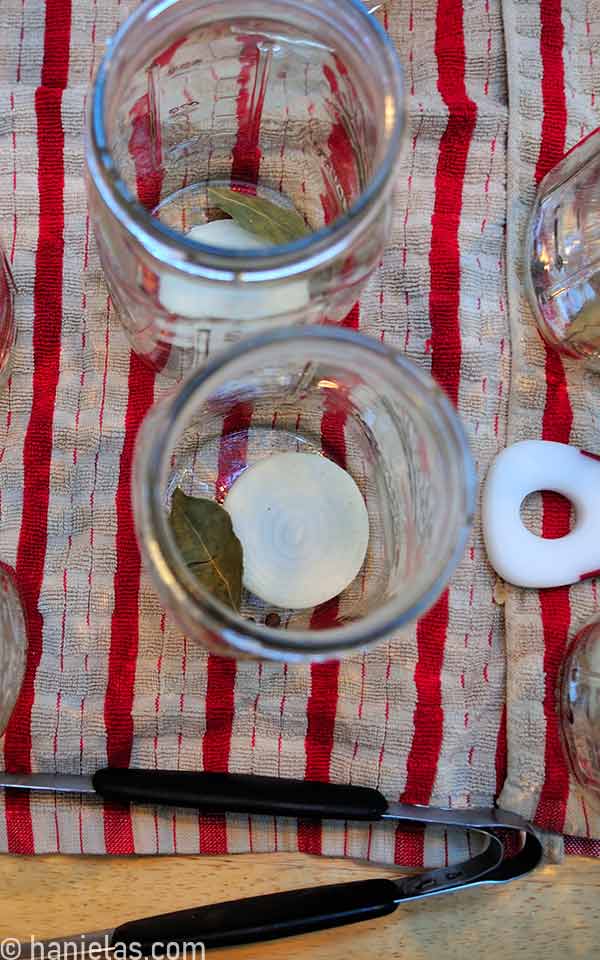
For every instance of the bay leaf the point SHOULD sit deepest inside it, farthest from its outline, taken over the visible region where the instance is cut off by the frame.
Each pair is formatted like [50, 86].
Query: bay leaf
[263, 218]
[209, 547]
[585, 328]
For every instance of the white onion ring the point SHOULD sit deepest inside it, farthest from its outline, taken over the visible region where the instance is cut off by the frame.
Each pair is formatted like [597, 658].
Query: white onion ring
[194, 298]
[304, 528]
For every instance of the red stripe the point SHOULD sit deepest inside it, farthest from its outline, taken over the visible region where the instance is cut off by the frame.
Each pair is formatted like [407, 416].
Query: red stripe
[216, 745]
[333, 444]
[118, 704]
[409, 847]
[444, 254]
[341, 151]
[221, 672]
[582, 847]
[219, 713]
[444, 302]
[144, 148]
[37, 447]
[246, 154]
[556, 425]
[322, 703]
[428, 717]
[321, 712]
[501, 753]
[554, 121]
[233, 448]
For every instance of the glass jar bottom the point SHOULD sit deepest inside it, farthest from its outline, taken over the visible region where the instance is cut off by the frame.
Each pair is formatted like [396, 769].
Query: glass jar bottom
[13, 644]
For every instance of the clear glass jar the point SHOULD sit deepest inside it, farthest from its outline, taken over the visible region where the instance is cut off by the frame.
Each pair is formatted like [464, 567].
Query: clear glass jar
[562, 258]
[330, 392]
[579, 706]
[297, 100]
[13, 644]
[8, 330]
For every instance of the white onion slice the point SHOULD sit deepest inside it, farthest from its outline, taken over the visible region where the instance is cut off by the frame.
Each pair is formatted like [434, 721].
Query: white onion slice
[193, 299]
[304, 528]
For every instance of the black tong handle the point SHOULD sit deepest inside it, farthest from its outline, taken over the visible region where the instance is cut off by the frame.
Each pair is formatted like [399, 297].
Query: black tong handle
[274, 915]
[301, 911]
[263, 918]
[240, 793]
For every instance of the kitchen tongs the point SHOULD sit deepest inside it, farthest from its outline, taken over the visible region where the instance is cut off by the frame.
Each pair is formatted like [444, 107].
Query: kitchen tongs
[298, 911]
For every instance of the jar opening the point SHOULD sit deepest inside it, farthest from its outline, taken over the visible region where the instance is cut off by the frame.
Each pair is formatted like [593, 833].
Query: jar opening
[419, 491]
[304, 98]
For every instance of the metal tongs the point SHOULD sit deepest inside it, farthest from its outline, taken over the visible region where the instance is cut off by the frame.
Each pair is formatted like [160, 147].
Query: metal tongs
[297, 911]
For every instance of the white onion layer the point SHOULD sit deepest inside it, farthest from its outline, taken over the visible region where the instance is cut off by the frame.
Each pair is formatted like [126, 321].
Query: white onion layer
[303, 526]
[193, 299]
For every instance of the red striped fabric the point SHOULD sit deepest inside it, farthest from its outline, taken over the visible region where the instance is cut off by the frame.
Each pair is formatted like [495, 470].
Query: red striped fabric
[556, 425]
[444, 302]
[322, 703]
[501, 752]
[582, 847]
[221, 672]
[246, 151]
[329, 731]
[321, 712]
[444, 253]
[409, 846]
[421, 767]
[333, 439]
[120, 689]
[37, 449]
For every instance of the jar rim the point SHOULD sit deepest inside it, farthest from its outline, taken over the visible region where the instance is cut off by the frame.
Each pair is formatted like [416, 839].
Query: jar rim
[252, 638]
[262, 264]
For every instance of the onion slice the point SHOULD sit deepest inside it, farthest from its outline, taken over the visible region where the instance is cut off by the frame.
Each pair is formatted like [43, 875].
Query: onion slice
[303, 526]
[186, 296]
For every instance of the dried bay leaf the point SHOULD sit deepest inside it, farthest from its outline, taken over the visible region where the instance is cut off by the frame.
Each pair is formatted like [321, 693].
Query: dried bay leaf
[264, 219]
[210, 549]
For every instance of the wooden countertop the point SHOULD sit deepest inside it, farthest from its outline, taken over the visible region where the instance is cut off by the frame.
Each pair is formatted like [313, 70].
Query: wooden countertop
[553, 913]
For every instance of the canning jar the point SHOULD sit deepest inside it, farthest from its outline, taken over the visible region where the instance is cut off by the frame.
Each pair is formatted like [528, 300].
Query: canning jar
[298, 102]
[562, 275]
[579, 707]
[13, 643]
[8, 331]
[330, 393]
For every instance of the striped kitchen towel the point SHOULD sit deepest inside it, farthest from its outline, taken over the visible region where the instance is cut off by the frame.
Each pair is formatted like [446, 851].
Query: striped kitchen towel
[110, 679]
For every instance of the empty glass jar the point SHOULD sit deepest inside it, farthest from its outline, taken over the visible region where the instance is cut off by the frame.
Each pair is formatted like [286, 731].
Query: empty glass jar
[8, 331]
[13, 644]
[327, 392]
[297, 101]
[562, 258]
[579, 704]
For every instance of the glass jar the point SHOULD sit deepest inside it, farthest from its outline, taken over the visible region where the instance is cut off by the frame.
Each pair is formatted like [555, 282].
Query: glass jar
[13, 644]
[8, 330]
[328, 392]
[562, 258]
[579, 706]
[298, 101]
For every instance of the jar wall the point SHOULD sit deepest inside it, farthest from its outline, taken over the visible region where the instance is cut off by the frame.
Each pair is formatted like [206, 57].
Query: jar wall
[283, 99]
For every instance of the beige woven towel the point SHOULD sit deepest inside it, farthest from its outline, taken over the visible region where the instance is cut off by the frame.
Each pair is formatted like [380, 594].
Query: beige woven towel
[554, 85]
[110, 678]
